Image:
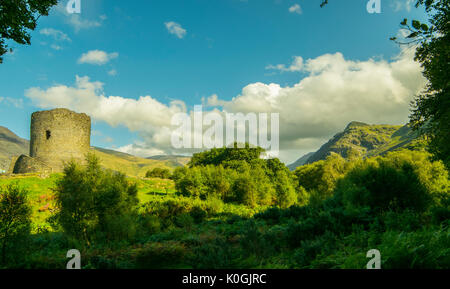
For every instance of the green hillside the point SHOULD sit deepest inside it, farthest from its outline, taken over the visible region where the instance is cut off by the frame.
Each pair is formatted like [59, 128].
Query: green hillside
[361, 139]
[10, 145]
[132, 165]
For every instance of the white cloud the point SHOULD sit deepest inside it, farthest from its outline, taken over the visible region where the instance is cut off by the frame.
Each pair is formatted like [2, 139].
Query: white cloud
[140, 150]
[97, 57]
[16, 102]
[296, 8]
[176, 29]
[296, 65]
[145, 115]
[76, 20]
[112, 72]
[334, 92]
[56, 34]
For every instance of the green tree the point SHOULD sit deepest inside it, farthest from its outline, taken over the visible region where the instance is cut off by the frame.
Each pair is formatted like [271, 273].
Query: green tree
[192, 183]
[320, 178]
[285, 191]
[15, 222]
[94, 202]
[17, 18]
[217, 156]
[398, 181]
[158, 173]
[431, 109]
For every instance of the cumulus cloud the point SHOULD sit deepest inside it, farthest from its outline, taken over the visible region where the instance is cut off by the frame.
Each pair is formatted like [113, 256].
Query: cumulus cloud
[334, 91]
[296, 65]
[140, 150]
[97, 57]
[176, 29]
[145, 115]
[296, 9]
[78, 21]
[55, 34]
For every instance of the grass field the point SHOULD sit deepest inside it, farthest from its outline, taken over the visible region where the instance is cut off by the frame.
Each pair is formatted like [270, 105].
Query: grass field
[41, 194]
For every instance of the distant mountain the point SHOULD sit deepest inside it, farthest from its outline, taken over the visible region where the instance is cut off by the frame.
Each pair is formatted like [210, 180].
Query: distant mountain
[132, 165]
[300, 162]
[365, 140]
[174, 160]
[11, 145]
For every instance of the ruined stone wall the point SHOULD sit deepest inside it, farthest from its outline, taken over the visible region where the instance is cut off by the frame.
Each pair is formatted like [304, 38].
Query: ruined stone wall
[59, 135]
[26, 165]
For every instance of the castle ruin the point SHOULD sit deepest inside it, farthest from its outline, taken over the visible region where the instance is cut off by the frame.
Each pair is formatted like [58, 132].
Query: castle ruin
[56, 137]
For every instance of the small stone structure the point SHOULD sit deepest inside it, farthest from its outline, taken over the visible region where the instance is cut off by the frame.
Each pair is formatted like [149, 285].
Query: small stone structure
[57, 136]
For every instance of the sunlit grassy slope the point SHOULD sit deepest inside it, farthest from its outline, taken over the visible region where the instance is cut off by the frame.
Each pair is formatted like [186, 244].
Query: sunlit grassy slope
[41, 194]
[134, 166]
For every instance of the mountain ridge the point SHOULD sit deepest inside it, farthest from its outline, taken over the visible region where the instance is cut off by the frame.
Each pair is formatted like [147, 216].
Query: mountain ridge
[364, 140]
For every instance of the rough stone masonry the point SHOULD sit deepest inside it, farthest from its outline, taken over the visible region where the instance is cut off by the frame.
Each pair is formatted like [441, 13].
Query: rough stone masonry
[56, 137]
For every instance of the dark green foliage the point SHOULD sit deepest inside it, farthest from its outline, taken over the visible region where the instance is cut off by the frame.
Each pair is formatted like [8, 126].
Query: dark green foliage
[431, 109]
[396, 182]
[217, 254]
[95, 203]
[17, 18]
[238, 175]
[398, 204]
[15, 224]
[416, 250]
[159, 255]
[320, 178]
[158, 173]
[217, 156]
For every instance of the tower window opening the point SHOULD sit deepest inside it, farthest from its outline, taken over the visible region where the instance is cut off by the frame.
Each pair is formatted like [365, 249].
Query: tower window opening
[48, 134]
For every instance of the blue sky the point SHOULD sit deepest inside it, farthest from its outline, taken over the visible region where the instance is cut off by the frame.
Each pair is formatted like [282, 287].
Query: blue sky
[222, 47]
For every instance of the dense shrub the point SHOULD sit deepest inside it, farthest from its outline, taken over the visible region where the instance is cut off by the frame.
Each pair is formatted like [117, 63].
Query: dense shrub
[95, 203]
[215, 254]
[158, 173]
[159, 255]
[320, 178]
[396, 182]
[238, 175]
[15, 224]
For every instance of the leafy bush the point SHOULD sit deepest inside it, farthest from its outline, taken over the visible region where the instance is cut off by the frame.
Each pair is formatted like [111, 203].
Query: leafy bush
[238, 175]
[15, 224]
[95, 203]
[158, 173]
[395, 182]
[159, 255]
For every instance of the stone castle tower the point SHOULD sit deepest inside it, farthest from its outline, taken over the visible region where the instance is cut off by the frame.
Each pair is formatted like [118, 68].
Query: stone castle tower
[57, 136]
